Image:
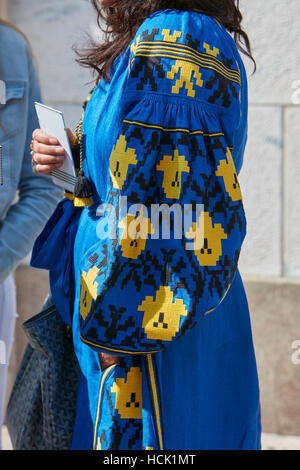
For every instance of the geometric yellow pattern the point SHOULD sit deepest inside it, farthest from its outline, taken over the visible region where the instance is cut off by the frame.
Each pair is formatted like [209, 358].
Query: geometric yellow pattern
[134, 235]
[133, 47]
[171, 37]
[227, 170]
[187, 70]
[119, 162]
[161, 319]
[173, 168]
[207, 240]
[88, 292]
[129, 394]
[214, 52]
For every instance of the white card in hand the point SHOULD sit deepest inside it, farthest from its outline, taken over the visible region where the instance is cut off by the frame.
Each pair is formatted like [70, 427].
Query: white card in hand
[52, 122]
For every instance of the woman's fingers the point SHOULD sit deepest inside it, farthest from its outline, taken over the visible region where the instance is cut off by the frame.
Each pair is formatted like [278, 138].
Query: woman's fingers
[43, 159]
[45, 169]
[56, 151]
[48, 154]
[44, 138]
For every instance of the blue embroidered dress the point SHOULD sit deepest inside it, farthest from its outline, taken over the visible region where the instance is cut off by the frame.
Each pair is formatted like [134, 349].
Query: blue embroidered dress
[166, 134]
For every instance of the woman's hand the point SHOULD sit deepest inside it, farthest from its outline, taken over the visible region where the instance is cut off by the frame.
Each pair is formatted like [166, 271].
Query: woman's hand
[107, 360]
[48, 154]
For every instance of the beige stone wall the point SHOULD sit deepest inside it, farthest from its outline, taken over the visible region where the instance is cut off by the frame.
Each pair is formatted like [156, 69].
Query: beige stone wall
[3, 9]
[53, 28]
[270, 178]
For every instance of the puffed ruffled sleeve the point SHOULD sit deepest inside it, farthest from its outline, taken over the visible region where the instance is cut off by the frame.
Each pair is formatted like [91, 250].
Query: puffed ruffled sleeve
[180, 222]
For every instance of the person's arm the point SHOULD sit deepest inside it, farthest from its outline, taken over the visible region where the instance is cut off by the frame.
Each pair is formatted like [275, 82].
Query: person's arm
[38, 197]
[140, 291]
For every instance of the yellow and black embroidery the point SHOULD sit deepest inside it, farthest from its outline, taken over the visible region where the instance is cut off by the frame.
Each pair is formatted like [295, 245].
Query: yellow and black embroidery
[135, 232]
[129, 401]
[162, 316]
[173, 167]
[187, 70]
[120, 159]
[88, 292]
[226, 169]
[211, 51]
[207, 60]
[207, 240]
[168, 37]
[193, 69]
[120, 402]
[134, 323]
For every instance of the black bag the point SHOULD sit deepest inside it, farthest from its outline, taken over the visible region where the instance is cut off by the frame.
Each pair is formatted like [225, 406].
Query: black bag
[41, 410]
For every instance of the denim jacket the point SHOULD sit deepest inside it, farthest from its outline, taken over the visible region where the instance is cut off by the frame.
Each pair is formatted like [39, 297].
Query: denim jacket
[37, 195]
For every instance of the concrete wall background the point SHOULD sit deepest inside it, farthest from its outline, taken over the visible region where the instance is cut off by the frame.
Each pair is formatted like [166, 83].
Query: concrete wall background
[270, 178]
[53, 28]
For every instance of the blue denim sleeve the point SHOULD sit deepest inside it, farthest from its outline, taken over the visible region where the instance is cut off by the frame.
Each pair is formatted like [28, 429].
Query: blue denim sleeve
[37, 196]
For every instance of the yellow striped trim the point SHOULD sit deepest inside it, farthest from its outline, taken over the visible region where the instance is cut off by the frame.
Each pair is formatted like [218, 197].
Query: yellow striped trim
[177, 49]
[205, 60]
[104, 375]
[189, 61]
[179, 129]
[116, 350]
[155, 399]
[199, 61]
[184, 47]
[166, 129]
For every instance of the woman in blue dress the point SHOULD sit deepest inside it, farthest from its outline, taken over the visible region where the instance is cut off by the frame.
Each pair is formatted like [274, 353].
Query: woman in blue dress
[153, 234]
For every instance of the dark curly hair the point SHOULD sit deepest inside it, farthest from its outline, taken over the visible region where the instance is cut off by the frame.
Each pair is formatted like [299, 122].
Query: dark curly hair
[124, 17]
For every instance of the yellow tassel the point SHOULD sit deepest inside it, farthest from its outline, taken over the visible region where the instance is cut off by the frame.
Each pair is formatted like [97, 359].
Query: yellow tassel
[69, 196]
[79, 201]
[83, 202]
